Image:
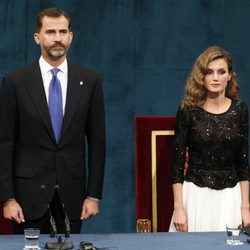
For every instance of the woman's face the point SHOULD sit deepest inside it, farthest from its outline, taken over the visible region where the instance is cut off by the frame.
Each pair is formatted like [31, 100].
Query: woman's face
[217, 77]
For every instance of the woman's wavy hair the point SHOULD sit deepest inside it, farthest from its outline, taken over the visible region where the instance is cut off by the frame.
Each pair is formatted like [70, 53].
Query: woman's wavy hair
[195, 91]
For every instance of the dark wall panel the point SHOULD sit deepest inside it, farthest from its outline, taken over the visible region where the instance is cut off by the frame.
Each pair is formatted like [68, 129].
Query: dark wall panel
[13, 35]
[144, 50]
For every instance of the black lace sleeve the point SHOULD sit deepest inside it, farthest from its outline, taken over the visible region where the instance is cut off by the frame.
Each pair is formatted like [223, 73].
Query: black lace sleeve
[243, 164]
[180, 144]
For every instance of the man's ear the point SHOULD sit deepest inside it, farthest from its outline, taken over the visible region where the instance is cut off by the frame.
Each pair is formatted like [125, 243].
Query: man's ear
[71, 36]
[37, 38]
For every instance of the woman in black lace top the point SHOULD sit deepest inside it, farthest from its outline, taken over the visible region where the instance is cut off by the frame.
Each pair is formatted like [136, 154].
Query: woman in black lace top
[213, 123]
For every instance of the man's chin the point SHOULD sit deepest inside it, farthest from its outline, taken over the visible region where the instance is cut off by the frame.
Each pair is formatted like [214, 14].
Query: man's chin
[56, 56]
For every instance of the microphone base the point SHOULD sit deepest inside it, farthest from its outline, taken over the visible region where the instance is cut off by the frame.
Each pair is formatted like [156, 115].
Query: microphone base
[59, 245]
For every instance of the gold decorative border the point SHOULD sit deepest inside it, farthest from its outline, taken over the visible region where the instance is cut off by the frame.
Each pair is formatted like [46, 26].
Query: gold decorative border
[154, 134]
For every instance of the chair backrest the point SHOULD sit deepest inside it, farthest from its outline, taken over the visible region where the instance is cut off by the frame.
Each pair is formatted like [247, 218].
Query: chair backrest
[154, 154]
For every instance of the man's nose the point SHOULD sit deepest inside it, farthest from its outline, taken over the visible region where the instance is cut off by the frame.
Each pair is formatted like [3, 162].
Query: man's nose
[58, 37]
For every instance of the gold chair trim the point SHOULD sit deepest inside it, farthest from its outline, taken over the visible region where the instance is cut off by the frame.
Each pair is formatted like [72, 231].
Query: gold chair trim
[154, 134]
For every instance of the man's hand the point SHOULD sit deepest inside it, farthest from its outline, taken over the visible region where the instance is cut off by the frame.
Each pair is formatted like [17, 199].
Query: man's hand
[89, 208]
[13, 211]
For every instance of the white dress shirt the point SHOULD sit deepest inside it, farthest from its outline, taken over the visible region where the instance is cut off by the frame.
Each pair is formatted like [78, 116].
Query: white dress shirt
[47, 76]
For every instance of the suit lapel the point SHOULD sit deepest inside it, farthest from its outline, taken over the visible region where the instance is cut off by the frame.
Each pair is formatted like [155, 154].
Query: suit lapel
[36, 90]
[73, 95]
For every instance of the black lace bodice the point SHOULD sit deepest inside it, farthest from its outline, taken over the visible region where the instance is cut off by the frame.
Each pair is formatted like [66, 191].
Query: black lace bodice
[217, 146]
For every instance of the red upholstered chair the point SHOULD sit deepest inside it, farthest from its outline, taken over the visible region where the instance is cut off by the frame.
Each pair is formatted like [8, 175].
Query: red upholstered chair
[5, 225]
[154, 154]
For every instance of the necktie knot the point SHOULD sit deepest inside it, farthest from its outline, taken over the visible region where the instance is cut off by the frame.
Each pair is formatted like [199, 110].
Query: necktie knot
[55, 71]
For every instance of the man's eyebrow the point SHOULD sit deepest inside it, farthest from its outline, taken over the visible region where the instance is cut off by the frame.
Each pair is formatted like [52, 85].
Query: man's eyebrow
[50, 30]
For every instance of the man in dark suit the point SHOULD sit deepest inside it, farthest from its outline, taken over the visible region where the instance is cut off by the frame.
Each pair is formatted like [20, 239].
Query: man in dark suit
[42, 151]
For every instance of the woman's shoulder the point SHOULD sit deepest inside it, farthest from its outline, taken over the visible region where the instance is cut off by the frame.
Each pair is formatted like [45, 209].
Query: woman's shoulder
[185, 113]
[240, 104]
[182, 109]
[187, 110]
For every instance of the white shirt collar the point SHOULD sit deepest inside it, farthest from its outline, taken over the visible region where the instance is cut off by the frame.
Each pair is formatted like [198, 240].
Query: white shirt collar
[46, 67]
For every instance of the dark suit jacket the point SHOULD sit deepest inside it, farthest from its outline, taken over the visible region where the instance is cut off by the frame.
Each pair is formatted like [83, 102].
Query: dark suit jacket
[29, 154]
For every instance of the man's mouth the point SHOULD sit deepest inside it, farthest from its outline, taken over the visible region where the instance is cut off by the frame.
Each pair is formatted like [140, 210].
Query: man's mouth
[57, 47]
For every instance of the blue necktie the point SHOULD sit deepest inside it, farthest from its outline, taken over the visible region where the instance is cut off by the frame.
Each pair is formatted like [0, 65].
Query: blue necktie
[55, 104]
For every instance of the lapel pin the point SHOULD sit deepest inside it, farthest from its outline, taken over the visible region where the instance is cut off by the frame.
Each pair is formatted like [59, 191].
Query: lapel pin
[81, 83]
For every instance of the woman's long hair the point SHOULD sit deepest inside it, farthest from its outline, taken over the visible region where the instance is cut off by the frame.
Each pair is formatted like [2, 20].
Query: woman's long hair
[195, 91]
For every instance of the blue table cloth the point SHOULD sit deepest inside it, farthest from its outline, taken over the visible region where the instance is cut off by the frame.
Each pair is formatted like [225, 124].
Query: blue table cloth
[137, 241]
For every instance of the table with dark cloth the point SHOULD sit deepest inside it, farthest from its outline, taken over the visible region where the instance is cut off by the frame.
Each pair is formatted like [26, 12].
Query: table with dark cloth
[137, 241]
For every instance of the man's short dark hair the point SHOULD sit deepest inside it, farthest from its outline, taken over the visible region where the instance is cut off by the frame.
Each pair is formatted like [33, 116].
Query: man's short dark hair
[50, 12]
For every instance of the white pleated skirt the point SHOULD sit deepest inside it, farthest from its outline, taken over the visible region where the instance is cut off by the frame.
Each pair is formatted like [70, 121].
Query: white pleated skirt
[210, 210]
